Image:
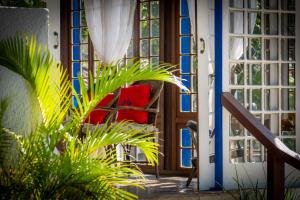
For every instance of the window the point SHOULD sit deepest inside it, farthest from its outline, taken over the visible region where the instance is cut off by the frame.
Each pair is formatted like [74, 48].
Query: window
[80, 45]
[262, 72]
[144, 44]
[188, 61]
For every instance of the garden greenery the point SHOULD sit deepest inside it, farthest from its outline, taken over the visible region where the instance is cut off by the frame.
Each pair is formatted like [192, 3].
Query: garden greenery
[53, 162]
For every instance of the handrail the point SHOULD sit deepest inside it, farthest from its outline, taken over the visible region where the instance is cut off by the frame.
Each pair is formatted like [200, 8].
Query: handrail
[277, 154]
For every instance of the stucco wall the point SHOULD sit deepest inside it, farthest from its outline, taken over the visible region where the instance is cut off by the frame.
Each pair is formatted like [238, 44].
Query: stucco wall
[23, 112]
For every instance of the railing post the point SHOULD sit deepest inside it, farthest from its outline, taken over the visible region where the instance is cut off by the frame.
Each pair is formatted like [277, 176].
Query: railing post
[275, 176]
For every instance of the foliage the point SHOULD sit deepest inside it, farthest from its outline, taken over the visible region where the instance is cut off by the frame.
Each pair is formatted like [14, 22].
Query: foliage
[53, 162]
[24, 3]
[257, 193]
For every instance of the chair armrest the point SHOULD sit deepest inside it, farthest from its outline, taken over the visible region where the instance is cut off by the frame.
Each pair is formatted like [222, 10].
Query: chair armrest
[153, 110]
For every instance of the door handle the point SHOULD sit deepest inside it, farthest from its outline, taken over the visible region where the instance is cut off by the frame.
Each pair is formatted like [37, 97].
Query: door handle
[56, 37]
[202, 50]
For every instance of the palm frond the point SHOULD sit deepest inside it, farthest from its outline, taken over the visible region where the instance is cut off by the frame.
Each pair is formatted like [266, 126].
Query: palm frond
[110, 77]
[124, 134]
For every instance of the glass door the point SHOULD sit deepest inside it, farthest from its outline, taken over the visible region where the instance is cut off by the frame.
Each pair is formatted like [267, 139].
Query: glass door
[260, 72]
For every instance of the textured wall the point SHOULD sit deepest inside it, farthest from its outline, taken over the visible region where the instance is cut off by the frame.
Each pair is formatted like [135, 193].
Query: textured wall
[23, 112]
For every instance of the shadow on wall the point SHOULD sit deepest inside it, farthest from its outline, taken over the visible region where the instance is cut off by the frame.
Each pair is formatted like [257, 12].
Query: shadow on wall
[31, 21]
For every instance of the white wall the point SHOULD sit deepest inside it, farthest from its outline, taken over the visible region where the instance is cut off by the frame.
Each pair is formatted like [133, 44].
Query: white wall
[54, 26]
[23, 112]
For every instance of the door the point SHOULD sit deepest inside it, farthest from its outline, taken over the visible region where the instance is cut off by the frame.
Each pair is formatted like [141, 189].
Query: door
[260, 66]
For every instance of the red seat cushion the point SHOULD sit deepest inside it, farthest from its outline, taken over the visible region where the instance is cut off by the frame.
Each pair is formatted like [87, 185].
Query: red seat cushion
[135, 95]
[98, 116]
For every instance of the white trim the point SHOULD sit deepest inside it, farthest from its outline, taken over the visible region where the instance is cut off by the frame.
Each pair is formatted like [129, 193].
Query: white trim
[205, 168]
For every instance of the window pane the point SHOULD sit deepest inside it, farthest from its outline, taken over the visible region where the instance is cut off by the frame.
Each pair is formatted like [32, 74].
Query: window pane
[76, 85]
[144, 29]
[76, 52]
[185, 26]
[238, 94]
[154, 60]
[154, 9]
[194, 103]
[83, 18]
[236, 151]
[254, 74]
[185, 63]
[271, 121]
[186, 137]
[185, 44]
[75, 18]
[254, 4]
[271, 49]
[236, 4]
[144, 48]
[84, 51]
[288, 126]
[237, 74]
[194, 83]
[236, 48]
[76, 36]
[271, 99]
[288, 24]
[194, 64]
[186, 79]
[288, 49]
[186, 156]
[144, 10]
[288, 74]
[76, 69]
[254, 23]
[154, 47]
[271, 23]
[254, 97]
[290, 143]
[184, 11]
[271, 74]
[271, 4]
[288, 4]
[288, 99]
[236, 129]
[155, 28]
[185, 102]
[236, 22]
[254, 49]
[84, 35]
[75, 5]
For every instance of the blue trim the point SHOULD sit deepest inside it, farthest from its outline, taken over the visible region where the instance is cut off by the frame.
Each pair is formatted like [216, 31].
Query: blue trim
[218, 94]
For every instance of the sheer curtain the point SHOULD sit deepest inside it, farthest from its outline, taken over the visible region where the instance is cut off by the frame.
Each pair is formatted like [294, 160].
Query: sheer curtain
[191, 6]
[110, 25]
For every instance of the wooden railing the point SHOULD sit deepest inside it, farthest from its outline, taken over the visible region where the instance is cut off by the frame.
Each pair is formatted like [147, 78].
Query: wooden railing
[277, 153]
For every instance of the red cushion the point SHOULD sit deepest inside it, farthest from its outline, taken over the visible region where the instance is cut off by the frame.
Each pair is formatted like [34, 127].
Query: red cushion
[135, 95]
[98, 116]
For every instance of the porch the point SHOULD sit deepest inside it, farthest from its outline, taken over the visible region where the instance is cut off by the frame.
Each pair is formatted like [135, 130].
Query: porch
[246, 49]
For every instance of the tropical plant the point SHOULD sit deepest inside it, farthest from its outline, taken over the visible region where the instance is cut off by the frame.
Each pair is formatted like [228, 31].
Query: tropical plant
[53, 162]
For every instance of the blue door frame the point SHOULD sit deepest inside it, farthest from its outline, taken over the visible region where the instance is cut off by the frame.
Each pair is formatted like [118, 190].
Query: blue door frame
[218, 93]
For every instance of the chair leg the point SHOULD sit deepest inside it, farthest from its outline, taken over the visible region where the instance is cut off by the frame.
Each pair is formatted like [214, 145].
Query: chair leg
[193, 173]
[157, 171]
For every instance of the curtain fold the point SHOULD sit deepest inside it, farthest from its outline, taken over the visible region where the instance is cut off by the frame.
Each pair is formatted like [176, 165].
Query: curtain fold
[191, 7]
[110, 25]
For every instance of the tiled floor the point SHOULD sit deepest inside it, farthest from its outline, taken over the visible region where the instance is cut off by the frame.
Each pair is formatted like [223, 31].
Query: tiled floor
[167, 188]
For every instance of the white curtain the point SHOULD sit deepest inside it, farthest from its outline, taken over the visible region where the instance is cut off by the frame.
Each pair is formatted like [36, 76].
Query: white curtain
[191, 6]
[237, 44]
[110, 25]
